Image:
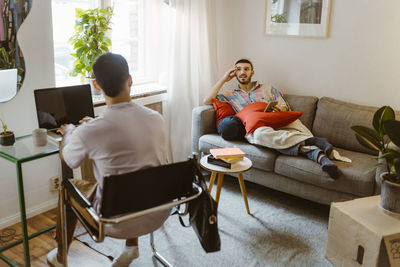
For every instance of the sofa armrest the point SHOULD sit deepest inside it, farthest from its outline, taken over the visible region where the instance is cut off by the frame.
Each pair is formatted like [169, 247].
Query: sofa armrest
[203, 122]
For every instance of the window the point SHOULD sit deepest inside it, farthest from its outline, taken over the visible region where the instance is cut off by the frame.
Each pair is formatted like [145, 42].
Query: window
[132, 35]
[127, 33]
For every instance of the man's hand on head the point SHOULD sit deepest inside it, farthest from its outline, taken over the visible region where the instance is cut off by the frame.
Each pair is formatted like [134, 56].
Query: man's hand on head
[230, 74]
[217, 87]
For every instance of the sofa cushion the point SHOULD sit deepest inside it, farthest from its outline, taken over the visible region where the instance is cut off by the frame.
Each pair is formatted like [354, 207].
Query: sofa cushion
[352, 179]
[263, 158]
[334, 119]
[308, 104]
[222, 110]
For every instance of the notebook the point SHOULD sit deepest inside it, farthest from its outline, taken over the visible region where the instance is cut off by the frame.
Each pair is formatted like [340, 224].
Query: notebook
[228, 152]
[62, 105]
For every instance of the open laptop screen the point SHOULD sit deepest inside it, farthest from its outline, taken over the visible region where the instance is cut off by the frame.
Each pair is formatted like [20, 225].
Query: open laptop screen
[57, 106]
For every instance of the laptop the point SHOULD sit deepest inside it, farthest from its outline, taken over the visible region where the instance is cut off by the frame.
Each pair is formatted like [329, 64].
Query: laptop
[62, 105]
[8, 84]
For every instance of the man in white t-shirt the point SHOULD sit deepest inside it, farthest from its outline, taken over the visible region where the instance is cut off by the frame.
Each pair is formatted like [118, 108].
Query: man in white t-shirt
[125, 138]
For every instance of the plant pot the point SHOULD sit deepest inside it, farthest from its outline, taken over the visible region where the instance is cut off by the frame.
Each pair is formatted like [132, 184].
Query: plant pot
[7, 138]
[390, 195]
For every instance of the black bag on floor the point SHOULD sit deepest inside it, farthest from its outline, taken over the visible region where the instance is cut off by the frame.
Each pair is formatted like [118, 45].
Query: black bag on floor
[203, 217]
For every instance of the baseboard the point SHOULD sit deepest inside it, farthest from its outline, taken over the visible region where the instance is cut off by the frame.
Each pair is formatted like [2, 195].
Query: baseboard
[16, 218]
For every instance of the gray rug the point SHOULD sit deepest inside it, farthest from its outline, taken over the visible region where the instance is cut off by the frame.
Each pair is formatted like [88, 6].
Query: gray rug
[282, 231]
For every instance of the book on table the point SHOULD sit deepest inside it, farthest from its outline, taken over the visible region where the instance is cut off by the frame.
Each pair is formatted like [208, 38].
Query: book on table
[228, 152]
[232, 160]
[218, 162]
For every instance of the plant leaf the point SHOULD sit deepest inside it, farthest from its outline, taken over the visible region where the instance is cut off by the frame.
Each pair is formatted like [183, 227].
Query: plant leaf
[373, 167]
[396, 166]
[393, 130]
[366, 143]
[79, 12]
[368, 138]
[376, 118]
[390, 154]
[381, 115]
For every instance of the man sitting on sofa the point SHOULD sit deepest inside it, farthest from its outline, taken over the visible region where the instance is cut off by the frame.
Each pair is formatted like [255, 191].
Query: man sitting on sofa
[289, 140]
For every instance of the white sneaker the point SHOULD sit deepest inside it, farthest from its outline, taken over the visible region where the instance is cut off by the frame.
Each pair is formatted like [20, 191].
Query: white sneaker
[52, 259]
[126, 257]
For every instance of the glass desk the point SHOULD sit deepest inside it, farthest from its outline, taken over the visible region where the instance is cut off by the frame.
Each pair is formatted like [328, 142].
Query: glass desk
[22, 151]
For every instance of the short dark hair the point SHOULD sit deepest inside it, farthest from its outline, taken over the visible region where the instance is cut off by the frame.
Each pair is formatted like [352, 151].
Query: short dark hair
[245, 60]
[111, 72]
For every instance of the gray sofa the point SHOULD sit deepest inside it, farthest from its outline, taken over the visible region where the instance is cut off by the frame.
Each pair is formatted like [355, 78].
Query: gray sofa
[325, 117]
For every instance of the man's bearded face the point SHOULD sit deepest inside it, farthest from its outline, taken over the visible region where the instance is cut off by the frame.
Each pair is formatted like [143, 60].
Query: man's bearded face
[244, 73]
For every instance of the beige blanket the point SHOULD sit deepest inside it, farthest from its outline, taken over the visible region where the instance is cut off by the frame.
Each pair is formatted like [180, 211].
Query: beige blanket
[281, 138]
[286, 137]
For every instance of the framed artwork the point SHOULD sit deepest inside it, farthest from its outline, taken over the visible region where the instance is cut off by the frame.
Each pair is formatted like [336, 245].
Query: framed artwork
[307, 18]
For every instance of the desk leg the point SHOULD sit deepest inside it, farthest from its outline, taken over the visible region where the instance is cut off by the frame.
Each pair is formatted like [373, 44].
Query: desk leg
[219, 185]
[243, 189]
[21, 195]
[211, 183]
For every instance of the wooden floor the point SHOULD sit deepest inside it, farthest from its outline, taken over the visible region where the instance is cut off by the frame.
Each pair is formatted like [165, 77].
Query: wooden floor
[79, 254]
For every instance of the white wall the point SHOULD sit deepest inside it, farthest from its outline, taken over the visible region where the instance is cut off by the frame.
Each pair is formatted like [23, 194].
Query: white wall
[36, 41]
[359, 62]
[35, 37]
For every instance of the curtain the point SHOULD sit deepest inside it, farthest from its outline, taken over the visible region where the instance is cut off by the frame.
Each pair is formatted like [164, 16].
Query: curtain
[192, 70]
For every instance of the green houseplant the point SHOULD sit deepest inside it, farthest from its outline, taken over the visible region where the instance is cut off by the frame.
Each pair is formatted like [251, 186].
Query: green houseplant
[384, 137]
[7, 61]
[279, 18]
[7, 138]
[89, 39]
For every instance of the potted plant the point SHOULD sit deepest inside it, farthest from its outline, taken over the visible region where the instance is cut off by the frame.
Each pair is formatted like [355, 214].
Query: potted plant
[384, 137]
[7, 138]
[7, 61]
[89, 40]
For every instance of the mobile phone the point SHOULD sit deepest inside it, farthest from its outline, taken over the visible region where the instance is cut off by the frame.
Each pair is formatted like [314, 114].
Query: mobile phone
[270, 105]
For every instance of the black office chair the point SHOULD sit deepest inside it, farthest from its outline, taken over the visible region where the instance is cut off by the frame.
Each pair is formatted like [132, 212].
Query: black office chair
[131, 196]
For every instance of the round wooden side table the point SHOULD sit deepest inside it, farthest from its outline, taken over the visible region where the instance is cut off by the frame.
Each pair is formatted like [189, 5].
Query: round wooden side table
[238, 167]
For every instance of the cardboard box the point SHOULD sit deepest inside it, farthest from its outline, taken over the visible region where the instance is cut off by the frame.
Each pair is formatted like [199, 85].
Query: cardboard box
[360, 233]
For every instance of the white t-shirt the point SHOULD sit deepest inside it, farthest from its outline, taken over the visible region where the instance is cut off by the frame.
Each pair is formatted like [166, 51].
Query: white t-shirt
[125, 138]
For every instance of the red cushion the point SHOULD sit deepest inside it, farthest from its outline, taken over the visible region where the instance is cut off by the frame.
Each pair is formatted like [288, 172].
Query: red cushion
[253, 116]
[222, 110]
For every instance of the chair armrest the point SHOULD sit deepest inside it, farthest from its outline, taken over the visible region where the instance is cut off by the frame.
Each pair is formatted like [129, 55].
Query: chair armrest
[74, 192]
[119, 219]
[84, 211]
[203, 122]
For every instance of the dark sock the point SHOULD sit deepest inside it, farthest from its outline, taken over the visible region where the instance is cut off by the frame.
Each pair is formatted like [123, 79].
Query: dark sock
[328, 166]
[322, 143]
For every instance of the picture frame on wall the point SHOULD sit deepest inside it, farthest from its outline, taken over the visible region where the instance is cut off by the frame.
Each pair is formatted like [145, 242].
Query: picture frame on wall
[304, 18]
